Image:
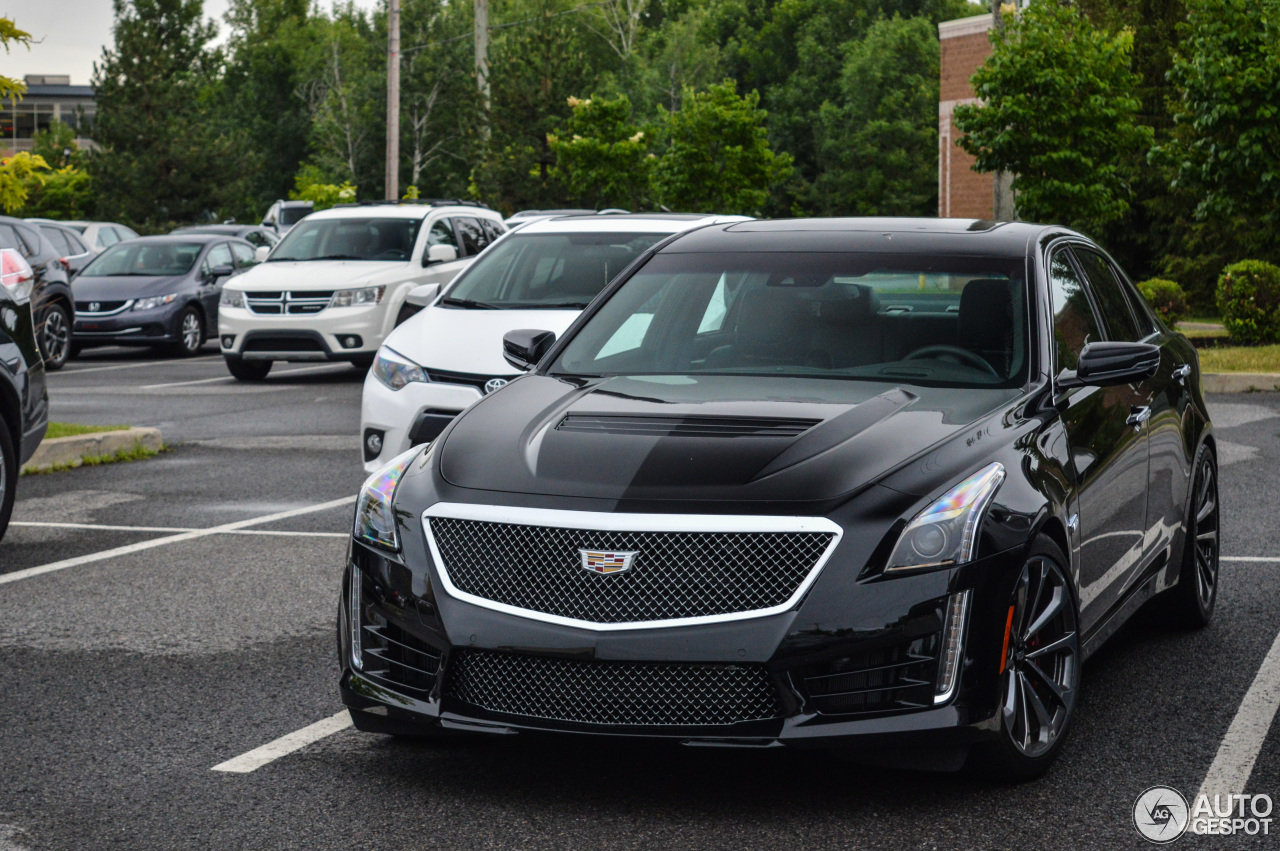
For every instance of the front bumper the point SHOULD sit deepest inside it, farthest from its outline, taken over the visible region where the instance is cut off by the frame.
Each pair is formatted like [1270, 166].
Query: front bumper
[131, 327]
[400, 416]
[417, 642]
[328, 335]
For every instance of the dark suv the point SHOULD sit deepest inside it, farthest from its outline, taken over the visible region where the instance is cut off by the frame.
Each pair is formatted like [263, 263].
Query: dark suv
[51, 302]
[24, 402]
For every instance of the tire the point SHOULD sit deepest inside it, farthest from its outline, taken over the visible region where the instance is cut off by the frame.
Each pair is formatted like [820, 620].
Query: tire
[55, 336]
[1190, 603]
[76, 350]
[363, 362]
[1040, 677]
[8, 476]
[190, 334]
[248, 370]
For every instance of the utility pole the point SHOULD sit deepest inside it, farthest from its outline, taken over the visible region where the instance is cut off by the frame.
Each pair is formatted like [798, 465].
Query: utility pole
[482, 60]
[393, 100]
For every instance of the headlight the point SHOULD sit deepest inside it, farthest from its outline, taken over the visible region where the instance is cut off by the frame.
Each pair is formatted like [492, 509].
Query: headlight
[154, 301]
[356, 298]
[395, 370]
[231, 298]
[375, 511]
[946, 533]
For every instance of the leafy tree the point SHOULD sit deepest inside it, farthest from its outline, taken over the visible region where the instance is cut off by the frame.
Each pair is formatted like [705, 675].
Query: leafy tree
[11, 35]
[678, 54]
[719, 159]
[164, 155]
[17, 175]
[603, 157]
[310, 186]
[56, 145]
[1059, 111]
[876, 148]
[64, 193]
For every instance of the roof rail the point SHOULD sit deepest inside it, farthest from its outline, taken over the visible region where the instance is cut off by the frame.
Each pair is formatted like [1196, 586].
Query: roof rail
[422, 202]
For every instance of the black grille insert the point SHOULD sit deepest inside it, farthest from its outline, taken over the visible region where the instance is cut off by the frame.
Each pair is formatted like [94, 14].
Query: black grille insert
[392, 656]
[632, 694]
[691, 426]
[283, 344]
[900, 676]
[672, 575]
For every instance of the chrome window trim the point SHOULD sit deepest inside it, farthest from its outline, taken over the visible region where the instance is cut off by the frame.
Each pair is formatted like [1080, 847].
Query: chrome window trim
[607, 522]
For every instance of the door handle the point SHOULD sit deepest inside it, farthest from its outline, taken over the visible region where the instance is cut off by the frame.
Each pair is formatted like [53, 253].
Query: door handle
[1181, 373]
[1138, 415]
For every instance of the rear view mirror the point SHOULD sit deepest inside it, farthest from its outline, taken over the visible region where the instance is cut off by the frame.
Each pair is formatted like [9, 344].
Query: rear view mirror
[423, 295]
[439, 254]
[524, 348]
[221, 271]
[1109, 364]
[260, 253]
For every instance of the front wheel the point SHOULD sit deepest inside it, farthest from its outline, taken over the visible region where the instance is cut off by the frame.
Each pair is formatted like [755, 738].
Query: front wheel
[55, 337]
[248, 370]
[1039, 673]
[190, 333]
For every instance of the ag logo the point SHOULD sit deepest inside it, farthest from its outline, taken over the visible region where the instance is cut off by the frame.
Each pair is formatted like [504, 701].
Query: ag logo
[1160, 814]
[95, 306]
[494, 384]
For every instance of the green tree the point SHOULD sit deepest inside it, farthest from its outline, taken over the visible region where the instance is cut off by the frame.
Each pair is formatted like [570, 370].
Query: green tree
[876, 151]
[9, 36]
[719, 159]
[1059, 111]
[164, 154]
[602, 158]
[56, 145]
[18, 174]
[64, 193]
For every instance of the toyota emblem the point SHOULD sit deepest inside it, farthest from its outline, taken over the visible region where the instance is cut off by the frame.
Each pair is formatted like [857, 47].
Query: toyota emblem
[494, 384]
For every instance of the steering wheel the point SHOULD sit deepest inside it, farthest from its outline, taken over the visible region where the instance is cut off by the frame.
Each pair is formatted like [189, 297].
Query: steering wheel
[964, 356]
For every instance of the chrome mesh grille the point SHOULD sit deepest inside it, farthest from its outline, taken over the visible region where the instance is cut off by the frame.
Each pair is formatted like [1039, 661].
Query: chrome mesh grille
[674, 575]
[633, 694]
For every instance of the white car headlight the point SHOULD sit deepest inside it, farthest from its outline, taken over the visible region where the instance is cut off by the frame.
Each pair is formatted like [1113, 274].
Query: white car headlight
[357, 298]
[946, 533]
[231, 298]
[395, 370]
[375, 509]
[154, 301]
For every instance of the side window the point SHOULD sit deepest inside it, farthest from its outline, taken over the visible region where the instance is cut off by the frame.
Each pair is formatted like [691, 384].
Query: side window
[1141, 311]
[59, 240]
[1117, 318]
[492, 229]
[9, 237]
[441, 233]
[243, 253]
[254, 237]
[76, 243]
[1074, 324]
[107, 237]
[471, 235]
[219, 255]
[28, 242]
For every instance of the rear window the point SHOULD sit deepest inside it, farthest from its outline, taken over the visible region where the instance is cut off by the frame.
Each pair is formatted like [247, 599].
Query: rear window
[293, 215]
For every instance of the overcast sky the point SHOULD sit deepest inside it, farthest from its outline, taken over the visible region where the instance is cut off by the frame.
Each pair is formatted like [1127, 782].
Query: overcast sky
[72, 33]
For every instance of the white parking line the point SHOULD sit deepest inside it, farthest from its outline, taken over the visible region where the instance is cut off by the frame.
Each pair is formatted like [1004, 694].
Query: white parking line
[285, 745]
[1255, 559]
[101, 527]
[1240, 746]
[225, 378]
[170, 539]
[135, 365]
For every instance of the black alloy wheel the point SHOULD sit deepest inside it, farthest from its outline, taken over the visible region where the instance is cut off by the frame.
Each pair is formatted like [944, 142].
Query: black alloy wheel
[190, 333]
[1039, 671]
[1190, 603]
[55, 337]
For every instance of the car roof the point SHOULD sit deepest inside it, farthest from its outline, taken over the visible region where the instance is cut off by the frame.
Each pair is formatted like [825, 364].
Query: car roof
[627, 223]
[399, 211]
[882, 235]
[223, 230]
[182, 237]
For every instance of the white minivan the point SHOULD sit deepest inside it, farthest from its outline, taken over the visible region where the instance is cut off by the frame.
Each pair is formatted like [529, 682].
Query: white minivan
[338, 283]
[449, 355]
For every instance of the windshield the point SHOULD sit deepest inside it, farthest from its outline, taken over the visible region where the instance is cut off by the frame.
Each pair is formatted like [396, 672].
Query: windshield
[293, 215]
[145, 258]
[563, 270]
[349, 239]
[939, 321]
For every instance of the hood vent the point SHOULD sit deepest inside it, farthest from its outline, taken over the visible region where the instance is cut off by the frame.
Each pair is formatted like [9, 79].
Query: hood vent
[688, 426]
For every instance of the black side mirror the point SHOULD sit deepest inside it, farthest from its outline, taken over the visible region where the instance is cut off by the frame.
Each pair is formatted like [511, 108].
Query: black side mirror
[524, 348]
[1109, 364]
[221, 271]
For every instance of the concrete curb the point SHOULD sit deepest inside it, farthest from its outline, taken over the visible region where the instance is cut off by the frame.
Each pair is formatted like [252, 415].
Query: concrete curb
[1239, 382]
[69, 451]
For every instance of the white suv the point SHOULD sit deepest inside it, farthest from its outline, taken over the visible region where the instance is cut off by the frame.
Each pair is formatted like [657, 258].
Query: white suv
[337, 284]
[447, 357]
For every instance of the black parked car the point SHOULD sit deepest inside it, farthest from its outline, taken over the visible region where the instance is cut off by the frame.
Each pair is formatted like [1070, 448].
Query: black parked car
[159, 291]
[24, 401]
[51, 299]
[855, 484]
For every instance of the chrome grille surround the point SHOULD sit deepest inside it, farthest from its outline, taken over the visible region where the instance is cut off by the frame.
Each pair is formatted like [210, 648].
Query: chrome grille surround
[288, 303]
[710, 568]
[627, 694]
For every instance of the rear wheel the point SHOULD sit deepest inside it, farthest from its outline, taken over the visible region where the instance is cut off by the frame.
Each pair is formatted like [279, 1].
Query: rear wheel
[1040, 673]
[55, 336]
[8, 476]
[248, 370]
[1190, 603]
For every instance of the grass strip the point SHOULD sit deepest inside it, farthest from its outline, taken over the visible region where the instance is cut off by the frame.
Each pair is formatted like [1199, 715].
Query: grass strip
[72, 429]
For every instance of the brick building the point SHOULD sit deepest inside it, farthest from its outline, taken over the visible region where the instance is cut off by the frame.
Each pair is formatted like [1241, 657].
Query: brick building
[963, 192]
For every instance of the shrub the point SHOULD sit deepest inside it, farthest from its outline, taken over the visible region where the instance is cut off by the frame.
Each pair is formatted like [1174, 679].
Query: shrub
[1249, 298]
[1166, 298]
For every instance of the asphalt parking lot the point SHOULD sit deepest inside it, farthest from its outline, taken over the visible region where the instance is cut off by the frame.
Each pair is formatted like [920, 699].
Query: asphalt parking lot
[163, 617]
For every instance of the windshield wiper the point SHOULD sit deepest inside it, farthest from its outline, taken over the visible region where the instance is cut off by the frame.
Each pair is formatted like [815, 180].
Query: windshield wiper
[321, 257]
[549, 305]
[468, 302]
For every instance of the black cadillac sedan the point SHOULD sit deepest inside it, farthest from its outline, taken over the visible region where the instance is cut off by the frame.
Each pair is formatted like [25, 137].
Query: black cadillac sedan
[159, 291]
[869, 485]
[24, 397]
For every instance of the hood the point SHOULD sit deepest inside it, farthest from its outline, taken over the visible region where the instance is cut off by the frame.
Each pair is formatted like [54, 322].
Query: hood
[470, 341]
[321, 274]
[120, 287]
[704, 438]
